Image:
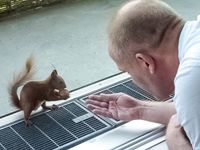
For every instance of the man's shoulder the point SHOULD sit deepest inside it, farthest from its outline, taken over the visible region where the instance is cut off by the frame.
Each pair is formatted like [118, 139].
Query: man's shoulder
[189, 38]
[198, 17]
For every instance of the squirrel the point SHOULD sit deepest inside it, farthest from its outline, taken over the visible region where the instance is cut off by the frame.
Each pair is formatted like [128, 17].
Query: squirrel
[35, 93]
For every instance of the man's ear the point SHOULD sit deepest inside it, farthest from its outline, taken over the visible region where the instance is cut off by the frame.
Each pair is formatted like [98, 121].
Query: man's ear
[54, 74]
[146, 61]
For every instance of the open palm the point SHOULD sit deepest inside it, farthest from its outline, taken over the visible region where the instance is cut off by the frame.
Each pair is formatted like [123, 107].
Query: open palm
[117, 106]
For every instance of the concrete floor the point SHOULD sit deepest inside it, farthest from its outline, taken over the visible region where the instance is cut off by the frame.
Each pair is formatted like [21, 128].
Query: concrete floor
[70, 36]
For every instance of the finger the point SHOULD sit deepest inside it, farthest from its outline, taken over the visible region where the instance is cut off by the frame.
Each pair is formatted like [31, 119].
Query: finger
[109, 97]
[104, 97]
[95, 97]
[92, 107]
[97, 103]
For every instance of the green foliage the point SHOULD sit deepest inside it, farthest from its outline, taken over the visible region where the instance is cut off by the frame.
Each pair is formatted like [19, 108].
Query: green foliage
[10, 6]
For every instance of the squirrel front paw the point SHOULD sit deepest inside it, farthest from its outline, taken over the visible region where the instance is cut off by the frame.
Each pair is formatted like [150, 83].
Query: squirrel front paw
[54, 107]
[61, 94]
[64, 94]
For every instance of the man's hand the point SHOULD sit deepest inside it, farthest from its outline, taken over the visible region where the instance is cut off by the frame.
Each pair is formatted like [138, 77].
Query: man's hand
[117, 106]
[175, 136]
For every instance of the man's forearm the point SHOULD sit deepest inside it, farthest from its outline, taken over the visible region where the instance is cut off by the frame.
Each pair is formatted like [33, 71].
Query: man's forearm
[159, 112]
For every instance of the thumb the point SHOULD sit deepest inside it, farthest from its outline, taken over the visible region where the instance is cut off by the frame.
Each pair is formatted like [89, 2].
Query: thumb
[109, 97]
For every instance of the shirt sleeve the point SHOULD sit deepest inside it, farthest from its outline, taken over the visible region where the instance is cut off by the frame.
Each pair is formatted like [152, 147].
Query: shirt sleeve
[187, 99]
[198, 17]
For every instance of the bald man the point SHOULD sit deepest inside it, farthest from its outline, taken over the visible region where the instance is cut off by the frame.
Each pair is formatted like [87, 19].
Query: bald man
[161, 52]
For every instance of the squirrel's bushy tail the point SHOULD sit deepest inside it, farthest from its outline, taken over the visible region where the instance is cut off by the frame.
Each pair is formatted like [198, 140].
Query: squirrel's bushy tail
[19, 80]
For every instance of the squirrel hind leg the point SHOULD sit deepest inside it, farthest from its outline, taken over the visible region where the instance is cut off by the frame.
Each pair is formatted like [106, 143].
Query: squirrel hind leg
[28, 123]
[27, 113]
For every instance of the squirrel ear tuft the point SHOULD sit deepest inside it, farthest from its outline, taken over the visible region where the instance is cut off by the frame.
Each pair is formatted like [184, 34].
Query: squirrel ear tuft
[54, 73]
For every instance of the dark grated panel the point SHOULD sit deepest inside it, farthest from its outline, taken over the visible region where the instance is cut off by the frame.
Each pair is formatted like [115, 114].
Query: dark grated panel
[133, 86]
[59, 113]
[75, 109]
[95, 123]
[10, 140]
[123, 89]
[1, 148]
[78, 129]
[34, 137]
[58, 134]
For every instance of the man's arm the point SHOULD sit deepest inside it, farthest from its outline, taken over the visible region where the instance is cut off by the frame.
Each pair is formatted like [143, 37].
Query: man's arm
[123, 107]
[159, 112]
[175, 137]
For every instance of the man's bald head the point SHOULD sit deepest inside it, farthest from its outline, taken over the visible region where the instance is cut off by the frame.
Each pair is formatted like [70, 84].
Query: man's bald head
[143, 22]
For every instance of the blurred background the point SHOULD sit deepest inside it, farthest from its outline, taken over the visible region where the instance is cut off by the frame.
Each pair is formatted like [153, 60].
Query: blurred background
[69, 35]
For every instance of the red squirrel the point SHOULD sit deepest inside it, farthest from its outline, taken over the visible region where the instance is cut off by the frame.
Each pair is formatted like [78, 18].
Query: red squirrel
[36, 93]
